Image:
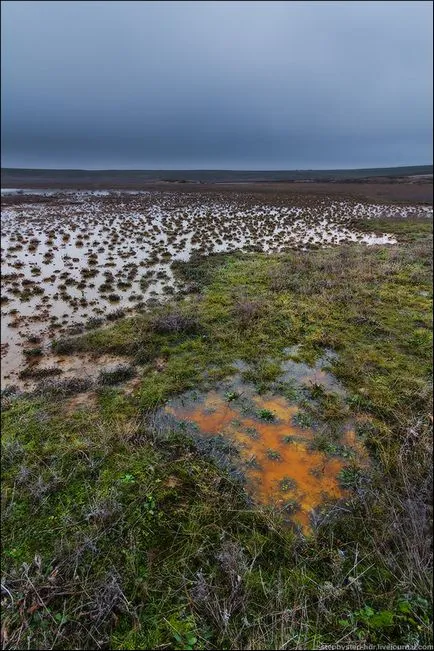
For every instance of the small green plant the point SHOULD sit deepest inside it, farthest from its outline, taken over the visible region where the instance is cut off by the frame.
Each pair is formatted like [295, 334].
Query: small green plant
[183, 630]
[32, 352]
[287, 484]
[150, 504]
[273, 455]
[376, 625]
[375, 619]
[267, 415]
[64, 346]
[349, 477]
[356, 401]
[127, 479]
[303, 419]
[316, 390]
[324, 444]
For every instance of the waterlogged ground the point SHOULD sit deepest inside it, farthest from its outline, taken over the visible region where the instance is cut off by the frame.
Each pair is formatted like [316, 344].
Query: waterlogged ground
[74, 258]
[124, 524]
[285, 454]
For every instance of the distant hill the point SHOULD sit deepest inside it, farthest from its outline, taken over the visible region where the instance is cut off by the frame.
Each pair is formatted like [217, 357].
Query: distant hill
[38, 178]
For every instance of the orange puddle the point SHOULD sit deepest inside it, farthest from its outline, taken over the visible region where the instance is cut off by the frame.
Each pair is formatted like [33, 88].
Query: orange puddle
[279, 470]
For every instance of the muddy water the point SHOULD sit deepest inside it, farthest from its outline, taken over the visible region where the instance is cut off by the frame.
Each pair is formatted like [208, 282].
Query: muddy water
[79, 255]
[278, 457]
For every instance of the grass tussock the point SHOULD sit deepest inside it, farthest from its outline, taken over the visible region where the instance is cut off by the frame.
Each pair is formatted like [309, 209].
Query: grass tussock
[174, 323]
[120, 373]
[37, 373]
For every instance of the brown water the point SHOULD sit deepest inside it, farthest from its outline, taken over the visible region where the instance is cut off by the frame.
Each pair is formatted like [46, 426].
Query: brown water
[279, 466]
[279, 458]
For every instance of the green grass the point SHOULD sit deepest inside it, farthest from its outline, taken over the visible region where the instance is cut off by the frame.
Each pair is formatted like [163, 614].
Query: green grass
[117, 535]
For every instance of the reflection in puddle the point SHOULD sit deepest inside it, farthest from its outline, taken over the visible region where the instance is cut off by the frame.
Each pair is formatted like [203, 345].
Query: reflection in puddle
[310, 376]
[276, 455]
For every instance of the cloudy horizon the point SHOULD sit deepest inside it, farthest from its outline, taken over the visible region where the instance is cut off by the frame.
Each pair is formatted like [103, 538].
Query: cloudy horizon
[216, 85]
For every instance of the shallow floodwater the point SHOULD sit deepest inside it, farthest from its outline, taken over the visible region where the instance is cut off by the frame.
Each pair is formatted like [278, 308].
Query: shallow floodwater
[74, 257]
[279, 457]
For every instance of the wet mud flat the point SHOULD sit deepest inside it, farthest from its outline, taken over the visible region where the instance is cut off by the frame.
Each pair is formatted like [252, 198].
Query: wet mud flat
[409, 184]
[76, 260]
[289, 456]
[407, 191]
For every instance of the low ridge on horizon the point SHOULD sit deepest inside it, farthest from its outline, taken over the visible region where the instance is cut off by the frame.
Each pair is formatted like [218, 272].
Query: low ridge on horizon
[215, 169]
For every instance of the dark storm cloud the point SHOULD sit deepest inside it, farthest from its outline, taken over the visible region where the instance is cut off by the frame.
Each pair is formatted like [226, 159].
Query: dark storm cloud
[216, 84]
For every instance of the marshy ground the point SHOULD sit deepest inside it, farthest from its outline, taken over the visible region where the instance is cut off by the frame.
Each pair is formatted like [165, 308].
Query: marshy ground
[71, 260]
[216, 421]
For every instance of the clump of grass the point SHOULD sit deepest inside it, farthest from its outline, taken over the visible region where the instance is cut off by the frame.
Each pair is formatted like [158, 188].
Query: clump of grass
[115, 314]
[64, 346]
[231, 395]
[35, 373]
[273, 455]
[263, 374]
[350, 476]
[64, 387]
[75, 329]
[114, 298]
[121, 373]
[267, 415]
[248, 312]
[9, 390]
[175, 323]
[34, 339]
[303, 419]
[94, 322]
[32, 352]
[287, 484]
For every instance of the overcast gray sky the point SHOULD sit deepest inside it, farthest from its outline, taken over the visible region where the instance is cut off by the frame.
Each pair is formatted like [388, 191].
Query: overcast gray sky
[217, 85]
